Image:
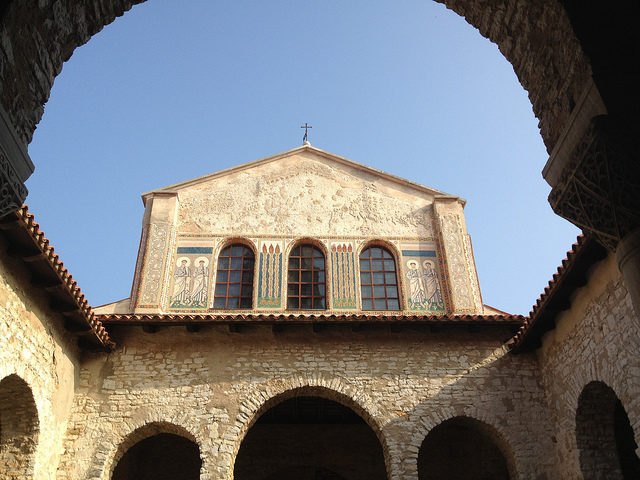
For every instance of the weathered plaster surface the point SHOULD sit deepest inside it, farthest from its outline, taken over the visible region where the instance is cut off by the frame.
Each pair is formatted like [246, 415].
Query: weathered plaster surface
[305, 194]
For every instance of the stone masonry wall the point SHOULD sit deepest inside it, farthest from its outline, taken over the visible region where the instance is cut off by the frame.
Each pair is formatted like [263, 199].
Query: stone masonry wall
[596, 340]
[211, 385]
[33, 350]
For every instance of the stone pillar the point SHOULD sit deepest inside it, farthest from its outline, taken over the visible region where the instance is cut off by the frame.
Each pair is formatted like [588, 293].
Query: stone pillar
[628, 258]
[15, 167]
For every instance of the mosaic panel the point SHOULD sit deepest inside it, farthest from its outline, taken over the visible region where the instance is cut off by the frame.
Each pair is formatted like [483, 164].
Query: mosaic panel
[422, 279]
[157, 238]
[452, 237]
[270, 275]
[191, 278]
[343, 276]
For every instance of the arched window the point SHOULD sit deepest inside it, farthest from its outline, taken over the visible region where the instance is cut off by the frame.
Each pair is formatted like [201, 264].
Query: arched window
[378, 279]
[234, 279]
[306, 279]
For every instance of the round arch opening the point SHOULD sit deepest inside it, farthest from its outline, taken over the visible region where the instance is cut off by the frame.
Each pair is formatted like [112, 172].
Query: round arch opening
[604, 435]
[463, 448]
[156, 453]
[19, 427]
[309, 437]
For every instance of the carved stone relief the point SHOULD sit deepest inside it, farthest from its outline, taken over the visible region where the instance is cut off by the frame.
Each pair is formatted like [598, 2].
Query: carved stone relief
[599, 189]
[12, 190]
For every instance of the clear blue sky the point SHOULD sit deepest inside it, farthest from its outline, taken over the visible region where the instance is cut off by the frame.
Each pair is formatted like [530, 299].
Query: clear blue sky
[174, 90]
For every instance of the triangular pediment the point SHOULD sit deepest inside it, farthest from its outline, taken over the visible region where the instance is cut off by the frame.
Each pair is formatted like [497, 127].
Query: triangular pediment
[304, 191]
[305, 152]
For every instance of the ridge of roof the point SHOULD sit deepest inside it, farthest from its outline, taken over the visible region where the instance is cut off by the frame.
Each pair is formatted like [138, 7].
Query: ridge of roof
[30, 244]
[304, 148]
[555, 298]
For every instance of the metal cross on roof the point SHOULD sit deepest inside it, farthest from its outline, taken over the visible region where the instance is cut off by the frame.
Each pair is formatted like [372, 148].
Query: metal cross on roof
[306, 133]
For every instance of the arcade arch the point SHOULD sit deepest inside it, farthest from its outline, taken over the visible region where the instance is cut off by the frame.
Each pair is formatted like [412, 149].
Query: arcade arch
[309, 437]
[19, 427]
[158, 451]
[604, 435]
[486, 455]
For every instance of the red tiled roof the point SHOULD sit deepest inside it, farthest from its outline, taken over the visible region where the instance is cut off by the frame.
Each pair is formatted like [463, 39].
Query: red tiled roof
[306, 318]
[28, 242]
[555, 298]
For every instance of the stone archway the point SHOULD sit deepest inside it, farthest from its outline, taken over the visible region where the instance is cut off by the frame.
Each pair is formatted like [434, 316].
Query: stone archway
[604, 436]
[463, 448]
[40, 36]
[158, 451]
[309, 437]
[19, 428]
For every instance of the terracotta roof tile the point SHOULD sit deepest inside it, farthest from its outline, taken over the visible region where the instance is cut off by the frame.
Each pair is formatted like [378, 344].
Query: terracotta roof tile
[33, 245]
[346, 318]
[555, 298]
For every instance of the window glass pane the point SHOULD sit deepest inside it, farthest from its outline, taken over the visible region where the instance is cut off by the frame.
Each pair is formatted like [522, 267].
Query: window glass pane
[389, 265]
[247, 263]
[223, 275]
[376, 265]
[245, 303]
[318, 263]
[296, 251]
[318, 290]
[379, 292]
[318, 253]
[305, 303]
[248, 252]
[236, 263]
[221, 290]
[392, 292]
[365, 277]
[234, 290]
[223, 263]
[305, 289]
[219, 303]
[386, 254]
[247, 290]
[364, 265]
[305, 276]
[319, 303]
[378, 278]
[307, 251]
[379, 304]
[390, 278]
[232, 303]
[236, 250]
[393, 305]
[367, 304]
[247, 276]
[292, 289]
[367, 291]
[318, 277]
[305, 263]
[294, 263]
[235, 276]
[376, 252]
[293, 276]
[292, 302]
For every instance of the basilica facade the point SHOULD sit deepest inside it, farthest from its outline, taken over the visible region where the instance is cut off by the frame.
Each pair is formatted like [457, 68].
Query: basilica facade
[306, 316]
